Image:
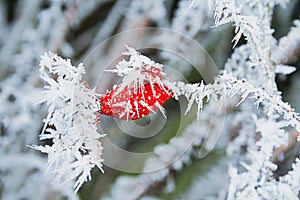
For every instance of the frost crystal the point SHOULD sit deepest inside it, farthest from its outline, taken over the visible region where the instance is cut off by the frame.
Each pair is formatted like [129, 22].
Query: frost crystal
[71, 122]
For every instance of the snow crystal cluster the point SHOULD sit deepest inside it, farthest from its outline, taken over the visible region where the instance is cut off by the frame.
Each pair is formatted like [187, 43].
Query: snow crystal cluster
[138, 70]
[71, 122]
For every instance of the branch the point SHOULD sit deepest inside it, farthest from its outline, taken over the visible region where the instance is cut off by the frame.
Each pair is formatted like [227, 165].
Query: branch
[71, 122]
[273, 103]
[289, 46]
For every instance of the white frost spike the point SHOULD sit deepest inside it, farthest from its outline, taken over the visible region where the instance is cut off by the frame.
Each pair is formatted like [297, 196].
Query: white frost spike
[127, 110]
[162, 110]
[137, 108]
[143, 103]
[284, 69]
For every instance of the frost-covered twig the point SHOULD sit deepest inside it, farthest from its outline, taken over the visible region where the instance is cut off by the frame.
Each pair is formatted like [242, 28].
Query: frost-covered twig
[227, 85]
[24, 38]
[289, 46]
[70, 123]
[226, 12]
[258, 181]
[246, 79]
[257, 32]
[274, 104]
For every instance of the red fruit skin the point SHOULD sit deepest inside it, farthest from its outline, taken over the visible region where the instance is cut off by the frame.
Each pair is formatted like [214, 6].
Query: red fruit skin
[127, 104]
